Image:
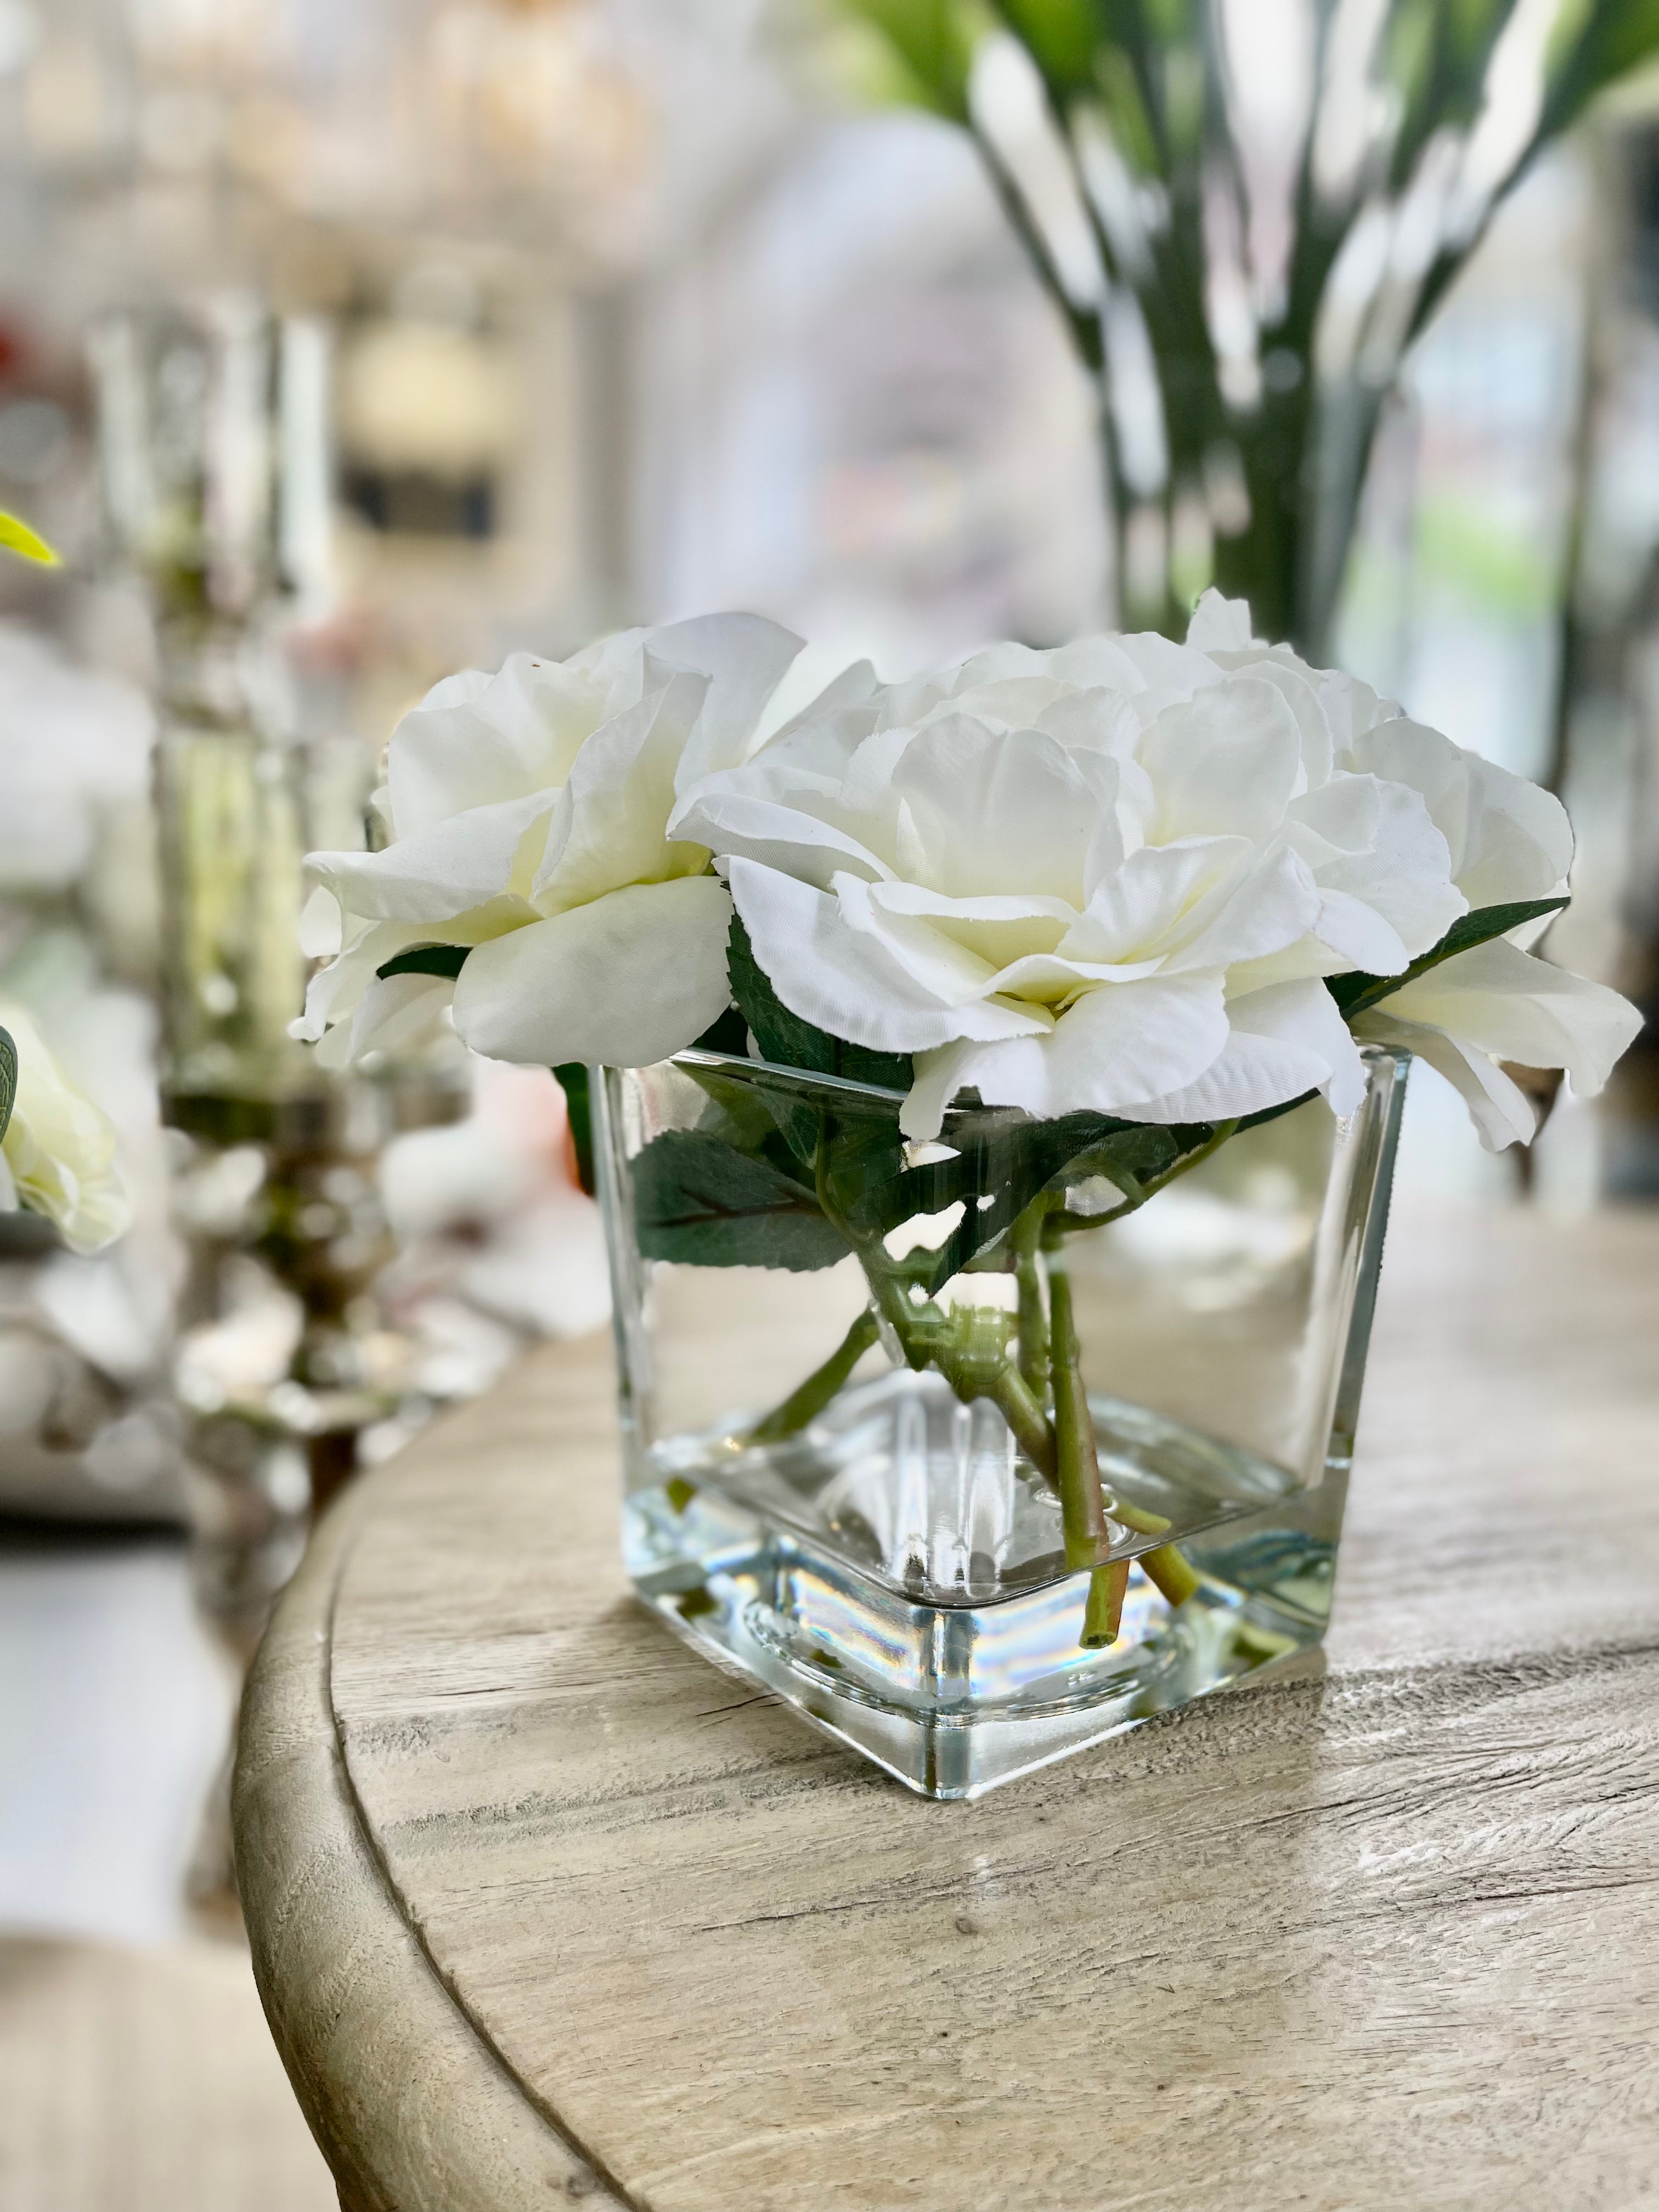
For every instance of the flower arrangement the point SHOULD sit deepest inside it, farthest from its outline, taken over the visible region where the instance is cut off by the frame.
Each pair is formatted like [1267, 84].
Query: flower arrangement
[1045, 929]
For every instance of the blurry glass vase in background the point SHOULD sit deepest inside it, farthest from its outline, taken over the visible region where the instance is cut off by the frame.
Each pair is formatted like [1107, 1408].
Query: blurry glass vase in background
[216, 467]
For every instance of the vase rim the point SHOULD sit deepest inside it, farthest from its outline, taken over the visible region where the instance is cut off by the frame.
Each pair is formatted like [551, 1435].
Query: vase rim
[878, 1097]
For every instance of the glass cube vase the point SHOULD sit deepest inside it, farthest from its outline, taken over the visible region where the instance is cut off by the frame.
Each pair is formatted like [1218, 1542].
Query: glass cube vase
[865, 1388]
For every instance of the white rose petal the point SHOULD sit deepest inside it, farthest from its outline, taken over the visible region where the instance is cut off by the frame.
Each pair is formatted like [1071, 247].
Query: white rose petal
[745, 658]
[608, 826]
[1226, 762]
[396, 1013]
[438, 873]
[847, 981]
[1509, 840]
[1221, 625]
[525, 796]
[1496, 1002]
[1111, 1049]
[1500, 1111]
[1282, 1040]
[628, 979]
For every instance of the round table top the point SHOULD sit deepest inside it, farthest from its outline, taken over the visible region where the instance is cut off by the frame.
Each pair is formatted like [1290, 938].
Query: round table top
[545, 1908]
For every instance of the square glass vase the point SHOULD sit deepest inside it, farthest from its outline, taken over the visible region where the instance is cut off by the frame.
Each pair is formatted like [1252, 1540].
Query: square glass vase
[855, 1378]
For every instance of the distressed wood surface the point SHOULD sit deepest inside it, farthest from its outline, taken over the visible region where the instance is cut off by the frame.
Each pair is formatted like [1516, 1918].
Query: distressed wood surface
[544, 1907]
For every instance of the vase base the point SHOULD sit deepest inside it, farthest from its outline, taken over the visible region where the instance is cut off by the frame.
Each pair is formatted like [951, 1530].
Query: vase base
[953, 1699]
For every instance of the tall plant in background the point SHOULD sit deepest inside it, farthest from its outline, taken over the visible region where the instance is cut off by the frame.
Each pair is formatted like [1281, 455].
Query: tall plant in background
[1245, 211]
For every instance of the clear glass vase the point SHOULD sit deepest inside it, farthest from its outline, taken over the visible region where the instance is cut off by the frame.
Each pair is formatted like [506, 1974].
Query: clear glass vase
[862, 1415]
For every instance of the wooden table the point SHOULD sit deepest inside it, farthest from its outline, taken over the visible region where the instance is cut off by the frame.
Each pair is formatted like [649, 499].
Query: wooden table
[545, 1909]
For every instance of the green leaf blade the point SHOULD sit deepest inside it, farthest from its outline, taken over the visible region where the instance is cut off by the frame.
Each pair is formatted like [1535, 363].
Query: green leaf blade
[788, 1040]
[1002, 1162]
[1357, 993]
[933, 41]
[572, 1079]
[702, 1203]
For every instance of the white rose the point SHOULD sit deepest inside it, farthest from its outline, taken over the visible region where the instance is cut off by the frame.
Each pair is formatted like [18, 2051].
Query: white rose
[1495, 1003]
[529, 810]
[1510, 844]
[1110, 876]
[58, 1155]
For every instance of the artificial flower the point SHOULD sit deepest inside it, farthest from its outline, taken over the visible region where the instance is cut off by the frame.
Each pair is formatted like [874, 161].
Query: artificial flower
[1511, 845]
[1508, 844]
[1110, 876]
[1115, 875]
[58, 1154]
[528, 811]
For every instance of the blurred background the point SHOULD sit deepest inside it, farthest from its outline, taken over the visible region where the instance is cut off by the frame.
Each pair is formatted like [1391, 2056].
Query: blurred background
[344, 345]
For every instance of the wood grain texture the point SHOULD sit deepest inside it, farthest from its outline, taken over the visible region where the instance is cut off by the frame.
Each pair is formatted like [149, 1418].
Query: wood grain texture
[405, 2095]
[1385, 1935]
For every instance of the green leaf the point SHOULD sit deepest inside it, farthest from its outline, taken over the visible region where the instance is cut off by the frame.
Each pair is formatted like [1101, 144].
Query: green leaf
[7, 1079]
[788, 1042]
[572, 1079]
[700, 1201]
[20, 538]
[1000, 1164]
[1593, 43]
[427, 960]
[1356, 992]
[1060, 36]
[728, 1034]
[933, 42]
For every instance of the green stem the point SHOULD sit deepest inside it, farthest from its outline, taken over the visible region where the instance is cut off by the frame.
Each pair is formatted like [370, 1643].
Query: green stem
[806, 1402]
[1062, 1450]
[1082, 1506]
[1026, 1237]
[931, 1337]
[1102, 1616]
[1167, 1568]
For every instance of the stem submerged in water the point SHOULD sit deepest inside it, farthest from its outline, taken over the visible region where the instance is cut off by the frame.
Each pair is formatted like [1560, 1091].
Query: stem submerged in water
[1081, 1506]
[1167, 1568]
[1102, 1616]
[804, 1404]
[976, 1360]
[1026, 1238]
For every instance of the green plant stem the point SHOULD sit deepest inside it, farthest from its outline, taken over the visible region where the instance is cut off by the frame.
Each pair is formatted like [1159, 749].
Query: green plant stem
[930, 1337]
[1063, 1450]
[1081, 1506]
[1102, 1616]
[809, 1400]
[1026, 1237]
[1167, 1568]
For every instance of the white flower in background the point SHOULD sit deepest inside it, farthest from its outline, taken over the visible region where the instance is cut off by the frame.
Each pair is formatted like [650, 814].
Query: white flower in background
[529, 810]
[1110, 876]
[74, 752]
[58, 1155]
